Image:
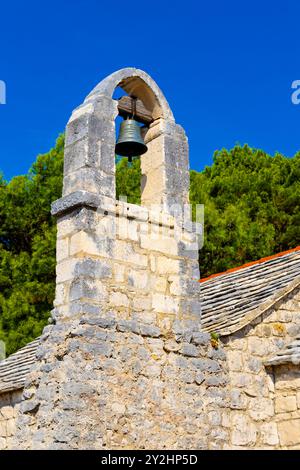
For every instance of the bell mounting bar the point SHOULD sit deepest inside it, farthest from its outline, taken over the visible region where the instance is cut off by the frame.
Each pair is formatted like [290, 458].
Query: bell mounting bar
[125, 107]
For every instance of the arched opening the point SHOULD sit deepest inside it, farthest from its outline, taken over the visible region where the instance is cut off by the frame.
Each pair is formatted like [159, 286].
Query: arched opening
[91, 138]
[128, 173]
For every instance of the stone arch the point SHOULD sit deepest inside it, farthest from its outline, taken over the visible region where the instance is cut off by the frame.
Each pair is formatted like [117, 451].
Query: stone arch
[137, 83]
[90, 143]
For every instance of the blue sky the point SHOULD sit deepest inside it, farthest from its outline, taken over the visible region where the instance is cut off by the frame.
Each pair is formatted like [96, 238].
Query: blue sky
[225, 67]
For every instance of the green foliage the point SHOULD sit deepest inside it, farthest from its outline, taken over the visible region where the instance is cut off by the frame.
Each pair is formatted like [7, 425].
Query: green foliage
[251, 207]
[214, 339]
[128, 180]
[251, 210]
[27, 249]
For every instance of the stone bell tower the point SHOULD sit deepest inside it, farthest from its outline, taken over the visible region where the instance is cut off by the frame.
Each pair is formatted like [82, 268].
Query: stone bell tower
[116, 368]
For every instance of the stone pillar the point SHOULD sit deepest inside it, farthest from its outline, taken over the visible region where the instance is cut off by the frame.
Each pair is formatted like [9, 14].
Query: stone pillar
[89, 163]
[165, 166]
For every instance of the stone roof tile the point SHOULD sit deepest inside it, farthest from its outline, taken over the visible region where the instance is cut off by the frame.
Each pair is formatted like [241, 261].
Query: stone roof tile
[14, 369]
[233, 299]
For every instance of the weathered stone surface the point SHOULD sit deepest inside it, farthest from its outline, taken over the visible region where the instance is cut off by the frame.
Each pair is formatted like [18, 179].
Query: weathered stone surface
[77, 199]
[289, 434]
[284, 404]
[269, 434]
[244, 432]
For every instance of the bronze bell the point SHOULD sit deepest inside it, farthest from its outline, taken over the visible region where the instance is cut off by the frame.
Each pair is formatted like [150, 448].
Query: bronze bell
[130, 142]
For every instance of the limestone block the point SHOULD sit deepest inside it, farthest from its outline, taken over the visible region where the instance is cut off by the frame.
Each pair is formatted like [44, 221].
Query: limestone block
[83, 242]
[10, 427]
[235, 361]
[66, 225]
[149, 330]
[7, 412]
[65, 270]
[152, 259]
[118, 299]
[244, 433]
[152, 370]
[89, 179]
[270, 383]
[261, 409]
[254, 365]
[171, 345]
[240, 380]
[165, 322]
[3, 443]
[291, 305]
[87, 288]
[284, 404]
[226, 423]
[138, 259]
[60, 294]
[257, 346]
[159, 243]
[175, 285]
[106, 227]
[190, 350]
[167, 266]
[289, 432]
[119, 273]
[269, 434]
[141, 302]
[3, 428]
[158, 284]
[258, 387]
[127, 229]
[138, 279]
[76, 156]
[238, 400]
[124, 251]
[94, 269]
[285, 316]
[154, 158]
[144, 316]
[62, 249]
[164, 304]
[152, 187]
[238, 343]
[77, 127]
[287, 382]
[135, 212]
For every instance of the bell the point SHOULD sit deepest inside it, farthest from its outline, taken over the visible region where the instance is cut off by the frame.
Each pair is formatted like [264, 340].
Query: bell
[130, 142]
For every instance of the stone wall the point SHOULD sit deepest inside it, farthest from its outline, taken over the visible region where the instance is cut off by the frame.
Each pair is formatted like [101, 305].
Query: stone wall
[125, 365]
[287, 405]
[254, 402]
[9, 406]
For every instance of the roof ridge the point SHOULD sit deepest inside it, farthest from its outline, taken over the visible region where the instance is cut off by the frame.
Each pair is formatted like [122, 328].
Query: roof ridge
[251, 263]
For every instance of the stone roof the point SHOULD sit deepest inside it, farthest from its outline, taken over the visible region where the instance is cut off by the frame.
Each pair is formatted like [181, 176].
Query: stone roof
[290, 354]
[232, 299]
[14, 369]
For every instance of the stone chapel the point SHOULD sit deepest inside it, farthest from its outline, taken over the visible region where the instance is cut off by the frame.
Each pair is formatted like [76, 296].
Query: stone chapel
[140, 353]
